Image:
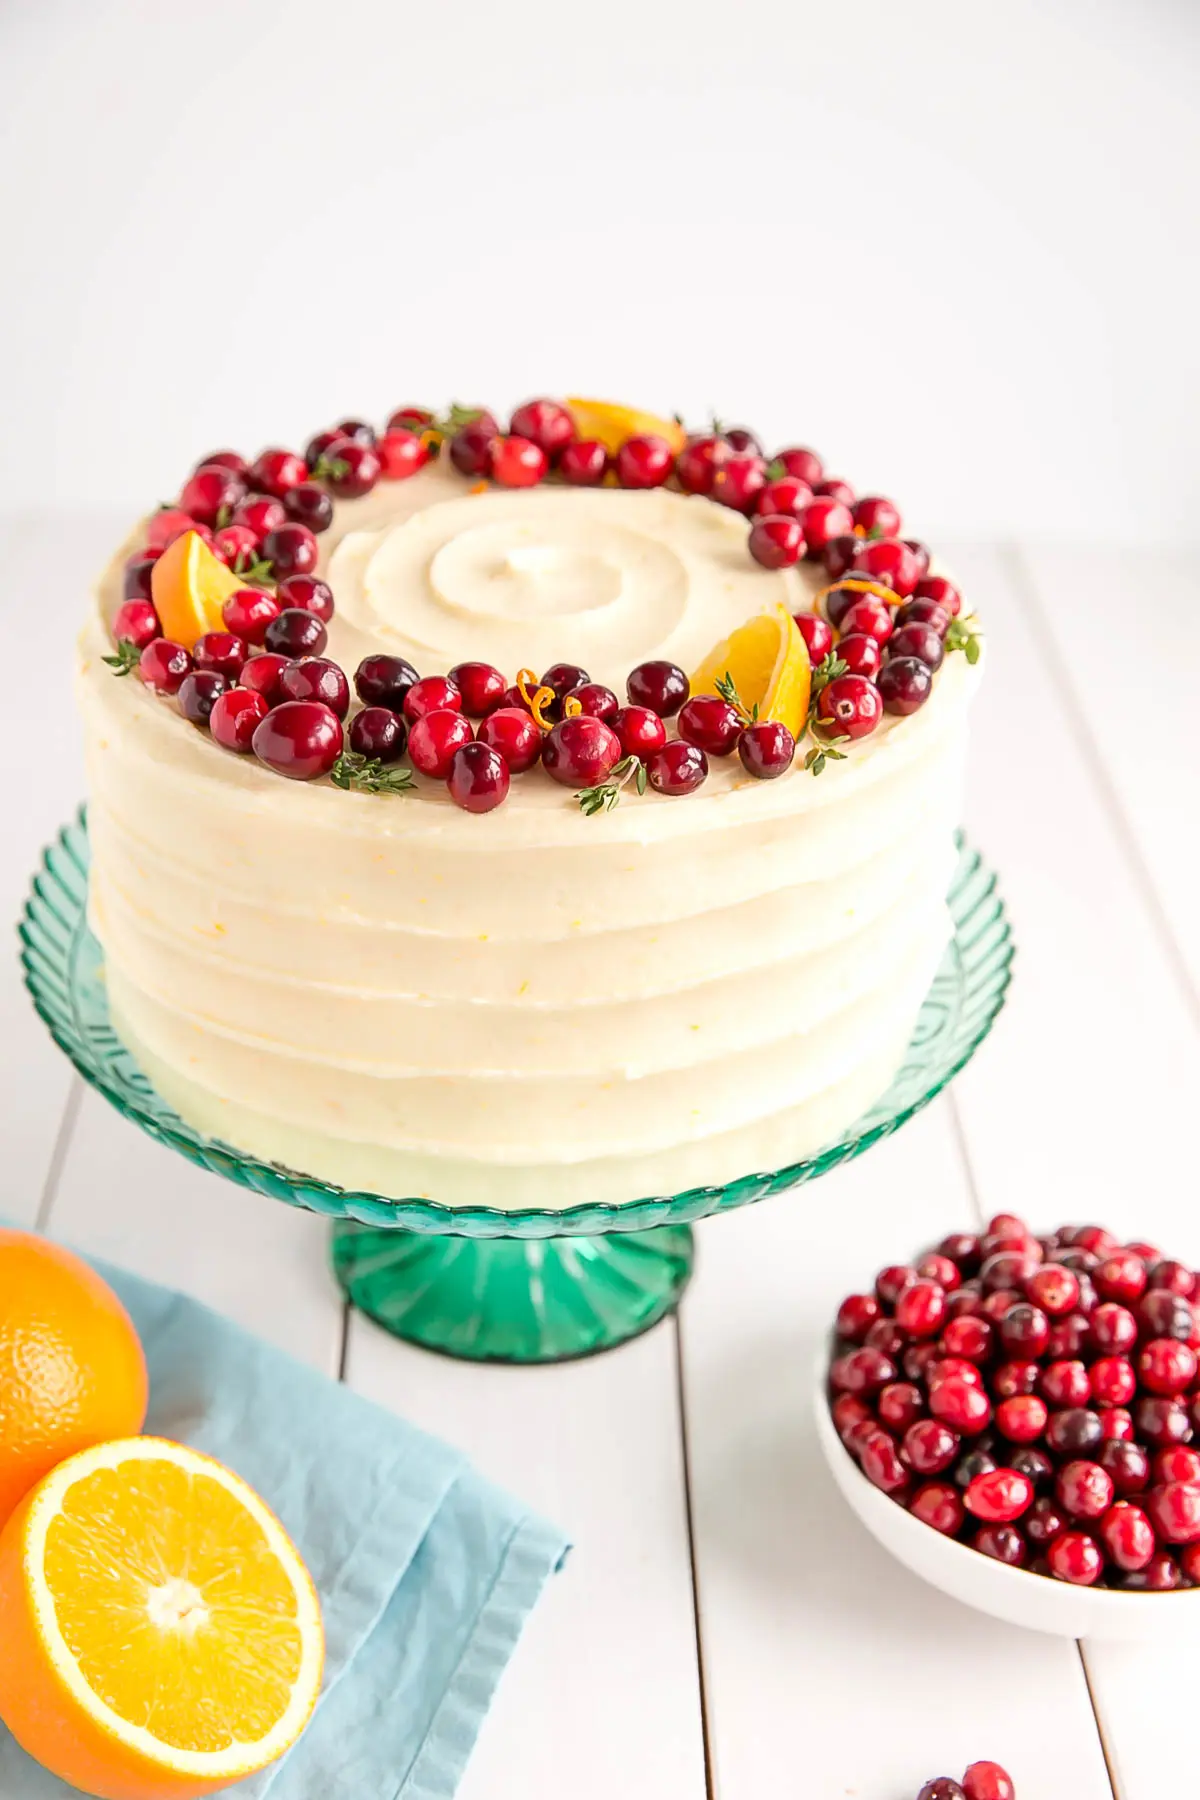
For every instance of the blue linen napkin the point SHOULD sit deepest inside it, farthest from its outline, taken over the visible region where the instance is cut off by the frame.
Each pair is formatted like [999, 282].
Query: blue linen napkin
[426, 1572]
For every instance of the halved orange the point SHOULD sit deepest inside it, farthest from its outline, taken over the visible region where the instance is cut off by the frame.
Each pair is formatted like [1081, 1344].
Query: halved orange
[767, 661]
[159, 1635]
[610, 424]
[189, 585]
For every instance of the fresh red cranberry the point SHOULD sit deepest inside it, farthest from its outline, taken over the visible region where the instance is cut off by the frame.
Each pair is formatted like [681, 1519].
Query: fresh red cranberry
[235, 716]
[224, 459]
[480, 686]
[975, 1462]
[1054, 1289]
[840, 598]
[296, 633]
[738, 437]
[1092, 1237]
[401, 454]
[378, 733]
[300, 739]
[935, 1267]
[918, 1359]
[887, 1336]
[834, 488]
[581, 752]
[1160, 1421]
[766, 749]
[969, 1337]
[937, 588]
[172, 522]
[290, 550]
[1176, 1464]
[1160, 1575]
[960, 1404]
[584, 463]
[1074, 1432]
[876, 517]
[881, 1463]
[817, 635]
[639, 730]
[1115, 1422]
[260, 514]
[470, 448]
[776, 541]
[643, 462]
[1175, 1277]
[479, 779]
[199, 693]
[163, 665]
[136, 582]
[357, 429]
[512, 733]
[1127, 1463]
[1127, 1536]
[308, 592]
[1024, 1330]
[433, 739]
[966, 1301]
[516, 462]
[136, 623]
[846, 1412]
[739, 480]
[939, 1504]
[410, 418]
[677, 768]
[1007, 1269]
[988, 1781]
[661, 686]
[261, 674]
[838, 555]
[923, 612]
[920, 642]
[1002, 1542]
[1112, 1329]
[931, 1446]
[349, 468]
[1065, 1384]
[869, 615]
[956, 1368]
[999, 1496]
[1027, 1459]
[712, 724]
[221, 652]
[824, 519]
[433, 693]
[921, 1308]
[1075, 1557]
[384, 681]
[309, 505]
[275, 471]
[1015, 1378]
[900, 1404]
[997, 1303]
[1121, 1276]
[1174, 1509]
[596, 700]
[891, 1281]
[856, 1315]
[1022, 1419]
[890, 562]
[698, 462]
[962, 1247]
[236, 546]
[805, 464]
[1085, 1489]
[849, 707]
[1189, 1559]
[922, 554]
[318, 444]
[787, 495]
[1165, 1366]
[861, 654]
[1044, 1521]
[211, 494]
[316, 678]
[941, 1788]
[1162, 1314]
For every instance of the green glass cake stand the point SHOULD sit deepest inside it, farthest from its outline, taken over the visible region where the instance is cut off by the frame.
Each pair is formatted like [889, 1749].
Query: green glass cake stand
[527, 1286]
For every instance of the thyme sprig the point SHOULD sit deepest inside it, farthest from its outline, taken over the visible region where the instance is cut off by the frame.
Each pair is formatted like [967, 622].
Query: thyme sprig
[965, 635]
[727, 689]
[823, 749]
[126, 659]
[604, 796]
[254, 570]
[368, 775]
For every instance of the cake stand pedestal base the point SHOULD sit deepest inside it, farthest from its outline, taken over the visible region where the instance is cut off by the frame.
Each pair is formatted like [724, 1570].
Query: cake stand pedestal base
[513, 1300]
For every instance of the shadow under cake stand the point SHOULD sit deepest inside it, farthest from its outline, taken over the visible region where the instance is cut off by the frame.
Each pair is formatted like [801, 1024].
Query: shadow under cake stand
[521, 1286]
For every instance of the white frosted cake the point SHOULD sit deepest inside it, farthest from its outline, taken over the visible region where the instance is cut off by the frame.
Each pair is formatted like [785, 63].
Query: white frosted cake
[544, 1003]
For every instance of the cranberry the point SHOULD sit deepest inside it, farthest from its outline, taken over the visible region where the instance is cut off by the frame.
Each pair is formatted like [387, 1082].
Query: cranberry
[1122, 1277]
[1075, 1557]
[357, 429]
[1127, 1463]
[941, 1788]
[962, 1247]
[847, 1412]
[891, 1282]
[955, 1368]
[275, 471]
[739, 438]
[905, 684]
[1127, 1536]
[516, 462]
[136, 623]
[876, 517]
[838, 601]
[739, 480]
[924, 612]
[169, 524]
[479, 779]
[881, 1464]
[234, 717]
[931, 1446]
[1003, 1542]
[823, 519]
[260, 514]
[639, 731]
[1065, 1384]
[1175, 1277]
[225, 459]
[222, 652]
[937, 588]
[433, 739]
[921, 1308]
[1012, 1379]
[988, 1781]
[661, 686]
[596, 700]
[349, 468]
[1093, 1238]
[309, 505]
[766, 749]
[776, 541]
[248, 612]
[296, 633]
[677, 768]
[316, 678]
[869, 615]
[513, 735]
[584, 463]
[545, 423]
[1166, 1366]
[1043, 1522]
[480, 686]
[817, 635]
[199, 693]
[849, 707]
[1115, 1422]
[920, 642]
[1028, 1460]
[1022, 1418]
[1162, 1314]
[960, 1404]
[378, 733]
[261, 673]
[1074, 1432]
[976, 1462]
[839, 554]
[290, 550]
[410, 418]
[1174, 1509]
[713, 725]
[136, 583]
[861, 655]
[471, 448]
[1160, 1575]
[937, 1503]
[1085, 1489]
[1024, 1330]
[300, 739]
[935, 1267]
[317, 445]
[384, 681]
[999, 1496]
[580, 752]
[900, 1404]
[888, 561]
[643, 462]
[835, 489]
[969, 1337]
[966, 1301]
[1160, 1421]
[922, 554]
[856, 1315]
[433, 693]
[1176, 1464]
[309, 593]
[163, 665]
[698, 462]
[998, 1303]
[1190, 1561]
[211, 494]
[805, 464]
[787, 495]
[1054, 1289]
[1112, 1329]
[401, 454]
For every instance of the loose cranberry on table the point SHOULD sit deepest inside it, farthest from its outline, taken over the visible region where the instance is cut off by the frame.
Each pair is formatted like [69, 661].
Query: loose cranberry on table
[163, 665]
[817, 634]
[767, 749]
[677, 768]
[433, 739]
[136, 622]
[739, 480]
[309, 593]
[849, 707]
[480, 686]
[316, 678]
[512, 733]
[261, 673]
[235, 717]
[581, 752]
[643, 462]
[198, 694]
[348, 468]
[211, 494]
[824, 519]
[275, 471]
[988, 1781]
[698, 462]
[776, 541]
[309, 505]
[296, 633]
[378, 733]
[300, 739]
[583, 463]
[710, 723]
[479, 778]
[639, 731]
[905, 684]
[517, 462]
[222, 652]
[661, 686]
[876, 517]
[433, 693]
[260, 513]
[384, 681]
[290, 550]
[787, 495]
[546, 423]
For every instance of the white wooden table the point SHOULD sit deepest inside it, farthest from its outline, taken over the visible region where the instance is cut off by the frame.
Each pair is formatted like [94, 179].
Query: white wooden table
[725, 1627]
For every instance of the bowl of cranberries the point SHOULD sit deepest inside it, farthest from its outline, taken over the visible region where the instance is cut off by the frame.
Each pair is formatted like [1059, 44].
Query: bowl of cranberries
[1017, 1419]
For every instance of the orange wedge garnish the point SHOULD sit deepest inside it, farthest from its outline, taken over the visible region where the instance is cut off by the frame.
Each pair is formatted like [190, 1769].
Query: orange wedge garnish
[610, 424]
[159, 1634]
[767, 661]
[189, 585]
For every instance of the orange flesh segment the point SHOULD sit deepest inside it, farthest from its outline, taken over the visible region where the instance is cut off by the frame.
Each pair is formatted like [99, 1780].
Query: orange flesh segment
[174, 1605]
[611, 424]
[768, 662]
[189, 585]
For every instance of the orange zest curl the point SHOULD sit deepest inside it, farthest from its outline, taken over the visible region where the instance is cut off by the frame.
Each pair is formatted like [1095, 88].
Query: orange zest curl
[858, 584]
[537, 698]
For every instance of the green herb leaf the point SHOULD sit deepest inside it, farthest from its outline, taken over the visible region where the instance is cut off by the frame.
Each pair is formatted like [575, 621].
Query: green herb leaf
[827, 670]
[368, 775]
[126, 659]
[224, 517]
[965, 635]
[775, 470]
[330, 468]
[604, 796]
[253, 569]
[727, 691]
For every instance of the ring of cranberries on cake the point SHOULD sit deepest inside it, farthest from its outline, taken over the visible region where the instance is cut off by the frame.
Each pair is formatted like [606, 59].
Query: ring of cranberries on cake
[535, 1007]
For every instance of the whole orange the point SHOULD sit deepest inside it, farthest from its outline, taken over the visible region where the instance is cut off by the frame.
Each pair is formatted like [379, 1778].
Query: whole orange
[72, 1372]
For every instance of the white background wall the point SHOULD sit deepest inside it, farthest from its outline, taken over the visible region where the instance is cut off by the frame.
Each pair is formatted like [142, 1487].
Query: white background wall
[953, 245]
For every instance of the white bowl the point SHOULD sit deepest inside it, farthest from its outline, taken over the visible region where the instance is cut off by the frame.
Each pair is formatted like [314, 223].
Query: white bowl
[1036, 1601]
